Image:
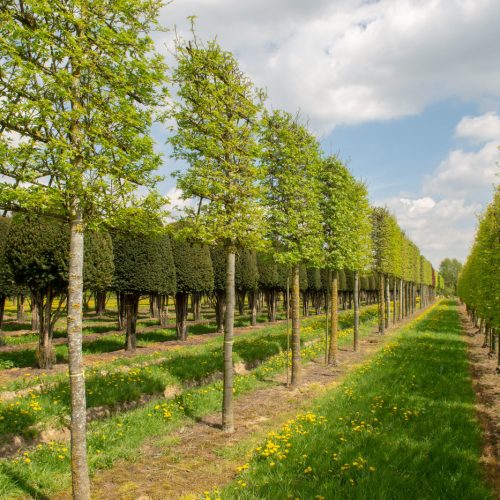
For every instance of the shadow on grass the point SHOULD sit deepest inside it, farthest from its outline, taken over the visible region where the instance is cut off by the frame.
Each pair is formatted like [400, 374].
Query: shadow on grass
[21, 482]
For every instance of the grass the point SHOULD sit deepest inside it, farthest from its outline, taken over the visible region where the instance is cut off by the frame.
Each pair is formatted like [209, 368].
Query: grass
[401, 426]
[42, 471]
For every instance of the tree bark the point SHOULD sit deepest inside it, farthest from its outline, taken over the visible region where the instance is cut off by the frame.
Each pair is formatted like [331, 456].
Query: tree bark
[131, 307]
[296, 357]
[100, 303]
[220, 308]
[181, 312]
[253, 298]
[227, 397]
[334, 332]
[20, 308]
[2, 309]
[35, 316]
[381, 298]
[387, 301]
[356, 310]
[79, 467]
[196, 299]
[163, 309]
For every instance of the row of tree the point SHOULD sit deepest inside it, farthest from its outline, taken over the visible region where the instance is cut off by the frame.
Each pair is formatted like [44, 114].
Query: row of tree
[479, 281]
[80, 87]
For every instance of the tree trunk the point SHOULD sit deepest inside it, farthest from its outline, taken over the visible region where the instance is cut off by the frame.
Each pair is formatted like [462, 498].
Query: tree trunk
[100, 303]
[227, 399]
[241, 302]
[196, 299]
[296, 357]
[253, 296]
[2, 309]
[220, 308]
[79, 468]
[394, 301]
[334, 311]
[35, 314]
[45, 353]
[120, 301]
[20, 308]
[356, 310]
[131, 307]
[271, 305]
[181, 312]
[163, 309]
[381, 299]
[387, 302]
[400, 309]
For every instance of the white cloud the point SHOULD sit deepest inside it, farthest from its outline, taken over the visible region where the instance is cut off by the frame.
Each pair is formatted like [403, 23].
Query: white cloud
[480, 129]
[442, 221]
[349, 61]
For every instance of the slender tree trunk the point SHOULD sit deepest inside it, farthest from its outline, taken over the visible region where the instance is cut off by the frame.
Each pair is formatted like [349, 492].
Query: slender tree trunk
[220, 308]
[20, 308]
[227, 399]
[241, 302]
[120, 301]
[181, 312]
[79, 468]
[387, 302]
[356, 310]
[394, 302]
[296, 357]
[400, 308]
[35, 314]
[253, 295]
[132, 307]
[381, 299]
[196, 298]
[2, 310]
[334, 332]
[163, 309]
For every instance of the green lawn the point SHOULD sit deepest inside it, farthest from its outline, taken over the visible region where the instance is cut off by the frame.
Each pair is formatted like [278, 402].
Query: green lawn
[401, 427]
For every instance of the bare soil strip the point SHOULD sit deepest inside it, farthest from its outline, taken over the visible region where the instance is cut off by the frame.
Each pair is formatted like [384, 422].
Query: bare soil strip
[200, 457]
[486, 383]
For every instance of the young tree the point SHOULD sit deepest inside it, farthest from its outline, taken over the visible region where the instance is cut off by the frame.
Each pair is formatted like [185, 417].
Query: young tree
[79, 88]
[291, 158]
[344, 209]
[217, 118]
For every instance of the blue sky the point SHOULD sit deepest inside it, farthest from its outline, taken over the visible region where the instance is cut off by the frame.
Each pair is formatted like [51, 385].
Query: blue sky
[406, 91]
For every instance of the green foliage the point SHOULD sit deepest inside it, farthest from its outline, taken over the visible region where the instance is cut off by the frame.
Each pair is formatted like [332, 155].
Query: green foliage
[478, 282]
[217, 118]
[98, 262]
[219, 263]
[291, 158]
[143, 263]
[7, 286]
[346, 217]
[449, 270]
[314, 283]
[37, 251]
[247, 272]
[193, 266]
[84, 85]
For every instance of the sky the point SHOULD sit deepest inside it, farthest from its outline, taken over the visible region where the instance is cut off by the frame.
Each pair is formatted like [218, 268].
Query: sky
[406, 92]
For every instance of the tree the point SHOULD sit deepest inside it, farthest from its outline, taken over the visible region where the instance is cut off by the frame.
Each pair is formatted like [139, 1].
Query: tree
[143, 265]
[217, 118]
[195, 274]
[79, 86]
[344, 209]
[37, 255]
[449, 270]
[291, 157]
[98, 266]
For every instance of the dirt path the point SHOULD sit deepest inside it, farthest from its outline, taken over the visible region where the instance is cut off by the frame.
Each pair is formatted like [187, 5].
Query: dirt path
[199, 457]
[486, 383]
